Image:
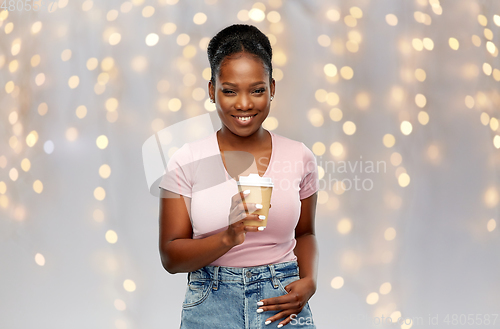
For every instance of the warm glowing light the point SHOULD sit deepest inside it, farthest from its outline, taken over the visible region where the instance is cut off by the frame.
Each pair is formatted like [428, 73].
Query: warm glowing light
[32, 138]
[129, 285]
[390, 234]
[99, 193]
[81, 111]
[38, 186]
[39, 259]
[273, 16]
[491, 48]
[319, 148]
[490, 226]
[385, 288]
[104, 171]
[454, 44]
[336, 114]
[487, 69]
[148, 11]
[315, 116]
[485, 118]
[469, 101]
[423, 117]
[482, 20]
[491, 197]
[73, 81]
[346, 72]
[363, 100]
[420, 75]
[168, 28]
[349, 128]
[102, 142]
[372, 298]
[3, 187]
[403, 180]
[270, 123]
[344, 226]
[333, 15]
[396, 159]
[152, 39]
[417, 44]
[111, 236]
[420, 100]
[114, 38]
[337, 282]
[243, 15]
[406, 127]
[350, 21]
[279, 58]
[71, 134]
[174, 104]
[391, 19]
[13, 174]
[183, 39]
[92, 63]
[324, 41]
[389, 140]
[356, 12]
[496, 141]
[336, 149]
[256, 14]
[199, 18]
[320, 95]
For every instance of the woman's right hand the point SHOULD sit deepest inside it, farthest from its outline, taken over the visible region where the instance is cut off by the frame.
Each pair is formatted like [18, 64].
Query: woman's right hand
[236, 230]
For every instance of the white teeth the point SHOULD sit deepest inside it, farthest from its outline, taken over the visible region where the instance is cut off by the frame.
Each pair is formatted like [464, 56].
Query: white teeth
[244, 118]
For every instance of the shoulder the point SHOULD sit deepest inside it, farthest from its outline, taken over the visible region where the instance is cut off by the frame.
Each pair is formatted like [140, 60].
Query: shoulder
[191, 150]
[290, 145]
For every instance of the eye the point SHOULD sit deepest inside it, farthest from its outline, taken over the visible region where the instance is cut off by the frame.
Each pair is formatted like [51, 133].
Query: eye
[260, 91]
[226, 91]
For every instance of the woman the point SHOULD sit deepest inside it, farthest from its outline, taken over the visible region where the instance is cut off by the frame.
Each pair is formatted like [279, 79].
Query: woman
[240, 276]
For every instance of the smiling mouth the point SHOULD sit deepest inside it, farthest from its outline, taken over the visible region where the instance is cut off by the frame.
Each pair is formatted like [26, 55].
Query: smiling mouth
[244, 120]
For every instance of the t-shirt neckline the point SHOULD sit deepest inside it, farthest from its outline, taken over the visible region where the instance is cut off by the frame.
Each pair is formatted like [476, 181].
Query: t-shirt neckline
[273, 146]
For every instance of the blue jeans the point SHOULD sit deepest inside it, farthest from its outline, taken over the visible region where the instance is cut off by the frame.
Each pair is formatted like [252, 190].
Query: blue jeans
[226, 297]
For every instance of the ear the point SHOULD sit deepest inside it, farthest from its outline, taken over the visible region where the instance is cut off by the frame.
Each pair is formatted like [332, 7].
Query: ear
[273, 86]
[211, 90]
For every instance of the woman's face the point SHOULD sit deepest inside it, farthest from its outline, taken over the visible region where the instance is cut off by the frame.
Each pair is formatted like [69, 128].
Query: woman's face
[242, 93]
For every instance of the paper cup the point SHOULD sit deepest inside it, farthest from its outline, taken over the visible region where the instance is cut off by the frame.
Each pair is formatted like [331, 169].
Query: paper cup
[261, 189]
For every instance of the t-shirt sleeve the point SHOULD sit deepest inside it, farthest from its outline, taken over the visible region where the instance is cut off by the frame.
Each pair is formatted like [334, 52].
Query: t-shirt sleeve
[177, 177]
[310, 181]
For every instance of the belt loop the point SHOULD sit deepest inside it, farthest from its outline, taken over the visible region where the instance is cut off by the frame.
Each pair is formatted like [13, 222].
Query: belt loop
[216, 278]
[273, 275]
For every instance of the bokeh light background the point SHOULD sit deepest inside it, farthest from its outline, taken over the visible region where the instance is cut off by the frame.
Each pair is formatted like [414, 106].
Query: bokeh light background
[413, 84]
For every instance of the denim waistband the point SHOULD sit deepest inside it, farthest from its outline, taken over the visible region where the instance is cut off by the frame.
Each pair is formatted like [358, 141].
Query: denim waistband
[245, 275]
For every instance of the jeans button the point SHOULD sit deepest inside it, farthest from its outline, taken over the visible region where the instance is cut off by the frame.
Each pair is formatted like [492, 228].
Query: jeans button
[249, 274]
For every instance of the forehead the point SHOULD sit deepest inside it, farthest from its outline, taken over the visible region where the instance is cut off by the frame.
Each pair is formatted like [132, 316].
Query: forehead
[242, 67]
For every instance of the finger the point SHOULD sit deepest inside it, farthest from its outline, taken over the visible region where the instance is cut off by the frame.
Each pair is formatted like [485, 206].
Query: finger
[289, 305]
[288, 315]
[283, 299]
[238, 198]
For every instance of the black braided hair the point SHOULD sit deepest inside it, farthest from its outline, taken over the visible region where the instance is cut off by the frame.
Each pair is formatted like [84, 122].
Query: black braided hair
[238, 38]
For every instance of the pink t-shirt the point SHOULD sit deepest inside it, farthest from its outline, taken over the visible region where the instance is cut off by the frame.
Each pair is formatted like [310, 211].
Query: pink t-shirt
[196, 170]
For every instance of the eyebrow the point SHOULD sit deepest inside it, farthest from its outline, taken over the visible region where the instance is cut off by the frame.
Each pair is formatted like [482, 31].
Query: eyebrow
[253, 84]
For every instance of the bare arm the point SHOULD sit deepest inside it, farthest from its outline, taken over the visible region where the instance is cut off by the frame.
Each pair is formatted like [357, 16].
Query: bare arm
[178, 251]
[306, 248]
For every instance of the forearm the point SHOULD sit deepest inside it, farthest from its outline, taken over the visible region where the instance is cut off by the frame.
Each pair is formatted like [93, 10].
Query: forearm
[306, 251]
[187, 255]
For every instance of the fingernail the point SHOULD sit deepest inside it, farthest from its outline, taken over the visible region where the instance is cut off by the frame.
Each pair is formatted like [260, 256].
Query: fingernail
[246, 192]
[280, 325]
[260, 303]
[258, 206]
[267, 322]
[262, 217]
[260, 310]
[261, 228]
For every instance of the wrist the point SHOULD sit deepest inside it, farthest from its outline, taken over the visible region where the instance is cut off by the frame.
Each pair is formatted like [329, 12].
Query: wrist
[226, 240]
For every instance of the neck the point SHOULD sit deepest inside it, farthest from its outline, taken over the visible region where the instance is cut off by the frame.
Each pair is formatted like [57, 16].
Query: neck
[227, 137]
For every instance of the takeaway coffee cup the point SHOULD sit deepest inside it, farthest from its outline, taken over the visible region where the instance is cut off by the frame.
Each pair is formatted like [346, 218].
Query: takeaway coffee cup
[260, 192]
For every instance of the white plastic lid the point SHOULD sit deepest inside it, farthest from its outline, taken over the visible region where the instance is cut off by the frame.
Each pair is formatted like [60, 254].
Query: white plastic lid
[255, 180]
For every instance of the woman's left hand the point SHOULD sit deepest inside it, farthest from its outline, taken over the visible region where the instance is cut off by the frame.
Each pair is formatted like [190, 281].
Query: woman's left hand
[299, 292]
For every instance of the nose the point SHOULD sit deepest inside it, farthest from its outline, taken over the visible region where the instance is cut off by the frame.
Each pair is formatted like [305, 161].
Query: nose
[243, 102]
